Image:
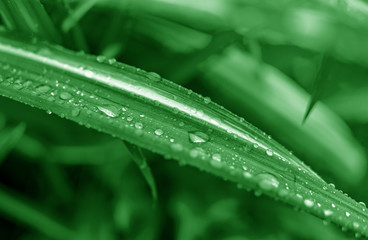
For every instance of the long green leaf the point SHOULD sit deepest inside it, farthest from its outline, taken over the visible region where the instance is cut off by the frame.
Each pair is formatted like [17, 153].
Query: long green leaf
[158, 115]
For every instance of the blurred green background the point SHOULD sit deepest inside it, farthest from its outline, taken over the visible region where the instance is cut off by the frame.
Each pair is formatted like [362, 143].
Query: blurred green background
[267, 61]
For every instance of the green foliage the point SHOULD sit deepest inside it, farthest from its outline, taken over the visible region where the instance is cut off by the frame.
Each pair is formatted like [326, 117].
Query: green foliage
[260, 59]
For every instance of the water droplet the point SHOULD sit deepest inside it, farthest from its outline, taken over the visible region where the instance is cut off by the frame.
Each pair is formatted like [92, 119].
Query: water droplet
[269, 152]
[65, 95]
[207, 100]
[177, 147]
[247, 175]
[138, 125]
[43, 89]
[347, 214]
[198, 137]
[216, 157]
[327, 212]
[244, 168]
[308, 203]
[216, 160]
[100, 58]
[49, 112]
[181, 124]
[112, 61]
[88, 73]
[356, 225]
[110, 111]
[363, 204]
[75, 112]
[159, 132]
[129, 118]
[331, 185]
[333, 205]
[153, 76]
[267, 181]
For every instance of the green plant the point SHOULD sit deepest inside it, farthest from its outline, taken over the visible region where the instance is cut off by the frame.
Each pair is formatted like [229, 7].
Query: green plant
[235, 52]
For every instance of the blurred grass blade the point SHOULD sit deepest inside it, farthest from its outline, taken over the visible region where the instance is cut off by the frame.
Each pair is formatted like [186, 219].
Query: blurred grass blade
[163, 117]
[98, 154]
[321, 81]
[24, 212]
[77, 14]
[29, 17]
[350, 104]
[141, 161]
[278, 103]
[9, 138]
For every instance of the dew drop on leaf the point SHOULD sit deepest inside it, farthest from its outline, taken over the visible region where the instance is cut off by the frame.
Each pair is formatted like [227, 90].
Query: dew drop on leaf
[159, 132]
[269, 152]
[207, 100]
[327, 212]
[43, 89]
[65, 95]
[356, 225]
[267, 181]
[110, 111]
[308, 203]
[153, 76]
[75, 112]
[216, 157]
[177, 147]
[100, 58]
[138, 125]
[129, 118]
[198, 137]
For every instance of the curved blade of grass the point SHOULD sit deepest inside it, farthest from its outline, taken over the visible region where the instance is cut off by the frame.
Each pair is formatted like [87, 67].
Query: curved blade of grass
[141, 161]
[28, 17]
[77, 14]
[278, 103]
[350, 104]
[158, 115]
[9, 138]
[322, 77]
[24, 212]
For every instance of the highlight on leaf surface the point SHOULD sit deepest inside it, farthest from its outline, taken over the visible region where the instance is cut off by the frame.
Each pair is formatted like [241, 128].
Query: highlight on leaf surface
[153, 113]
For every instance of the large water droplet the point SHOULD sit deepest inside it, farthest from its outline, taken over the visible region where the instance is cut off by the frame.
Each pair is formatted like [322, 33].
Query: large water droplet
[356, 225]
[216, 157]
[198, 137]
[177, 147]
[110, 111]
[269, 152]
[207, 100]
[100, 58]
[216, 160]
[327, 212]
[43, 89]
[153, 76]
[159, 132]
[267, 181]
[65, 95]
[308, 203]
[75, 112]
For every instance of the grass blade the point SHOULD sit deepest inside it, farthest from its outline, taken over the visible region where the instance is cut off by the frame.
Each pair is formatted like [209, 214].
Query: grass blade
[158, 115]
[9, 139]
[23, 212]
[322, 77]
[28, 17]
[141, 161]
